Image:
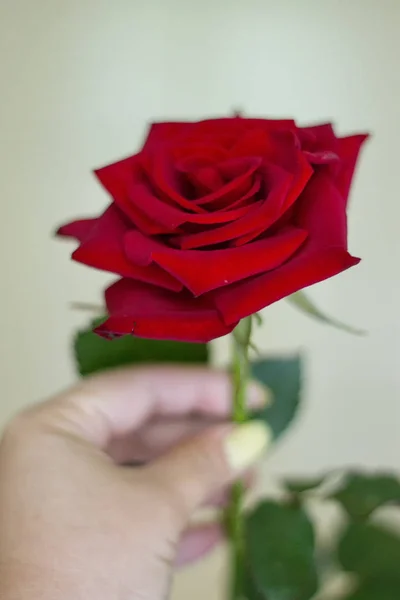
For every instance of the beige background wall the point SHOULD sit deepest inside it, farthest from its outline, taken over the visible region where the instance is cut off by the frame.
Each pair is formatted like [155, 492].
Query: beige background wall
[78, 80]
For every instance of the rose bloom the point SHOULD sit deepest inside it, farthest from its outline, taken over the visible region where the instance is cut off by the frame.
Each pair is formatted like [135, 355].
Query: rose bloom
[212, 221]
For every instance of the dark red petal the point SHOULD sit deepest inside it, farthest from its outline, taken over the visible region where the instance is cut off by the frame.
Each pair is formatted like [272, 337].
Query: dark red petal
[302, 172]
[165, 180]
[117, 177]
[349, 150]
[272, 124]
[168, 218]
[202, 173]
[104, 250]
[148, 311]
[203, 270]
[310, 266]
[239, 173]
[78, 230]
[163, 132]
[262, 215]
[321, 210]
[318, 138]
[324, 157]
[118, 180]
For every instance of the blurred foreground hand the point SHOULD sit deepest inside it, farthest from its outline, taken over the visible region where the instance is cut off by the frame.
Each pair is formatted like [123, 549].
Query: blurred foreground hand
[77, 521]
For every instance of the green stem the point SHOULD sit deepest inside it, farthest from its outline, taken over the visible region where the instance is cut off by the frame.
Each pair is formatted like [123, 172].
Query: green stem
[240, 376]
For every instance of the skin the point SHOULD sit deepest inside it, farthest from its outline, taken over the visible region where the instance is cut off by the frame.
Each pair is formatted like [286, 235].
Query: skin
[77, 520]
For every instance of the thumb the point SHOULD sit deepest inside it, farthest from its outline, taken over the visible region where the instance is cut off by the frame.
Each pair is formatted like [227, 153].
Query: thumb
[195, 470]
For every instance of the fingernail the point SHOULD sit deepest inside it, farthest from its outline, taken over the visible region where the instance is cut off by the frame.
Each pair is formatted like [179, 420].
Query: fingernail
[246, 443]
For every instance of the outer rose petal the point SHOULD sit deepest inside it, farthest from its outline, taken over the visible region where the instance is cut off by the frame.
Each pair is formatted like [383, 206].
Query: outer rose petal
[118, 179]
[319, 138]
[321, 210]
[103, 249]
[162, 132]
[309, 267]
[349, 149]
[203, 270]
[78, 230]
[148, 311]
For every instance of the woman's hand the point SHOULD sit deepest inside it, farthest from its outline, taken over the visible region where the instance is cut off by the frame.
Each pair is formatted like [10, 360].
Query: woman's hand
[77, 521]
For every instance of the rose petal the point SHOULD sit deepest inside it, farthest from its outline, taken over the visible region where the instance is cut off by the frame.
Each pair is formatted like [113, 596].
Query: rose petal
[262, 214]
[104, 250]
[147, 311]
[310, 266]
[203, 270]
[237, 185]
[118, 180]
[78, 230]
[301, 174]
[349, 149]
[319, 138]
[165, 181]
[324, 157]
[163, 132]
[201, 173]
[321, 212]
[169, 218]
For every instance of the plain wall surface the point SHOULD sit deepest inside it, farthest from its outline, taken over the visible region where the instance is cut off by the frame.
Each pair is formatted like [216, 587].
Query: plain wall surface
[79, 80]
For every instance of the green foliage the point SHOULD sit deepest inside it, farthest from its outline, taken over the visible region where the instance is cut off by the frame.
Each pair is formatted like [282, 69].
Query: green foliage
[251, 591]
[376, 590]
[370, 551]
[280, 546]
[283, 377]
[301, 301]
[301, 486]
[94, 353]
[361, 494]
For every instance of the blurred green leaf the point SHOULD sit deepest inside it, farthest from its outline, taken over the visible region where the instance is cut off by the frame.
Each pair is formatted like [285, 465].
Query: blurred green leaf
[376, 590]
[361, 494]
[280, 546]
[370, 551]
[283, 378]
[251, 592]
[299, 486]
[301, 301]
[94, 353]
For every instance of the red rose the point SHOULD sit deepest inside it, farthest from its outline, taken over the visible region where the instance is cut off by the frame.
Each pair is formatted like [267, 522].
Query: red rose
[213, 221]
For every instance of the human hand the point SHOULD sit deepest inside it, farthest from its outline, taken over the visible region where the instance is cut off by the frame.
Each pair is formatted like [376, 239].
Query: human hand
[76, 523]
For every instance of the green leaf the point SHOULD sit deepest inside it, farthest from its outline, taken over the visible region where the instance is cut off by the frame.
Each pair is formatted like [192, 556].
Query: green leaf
[300, 486]
[301, 301]
[283, 378]
[361, 494]
[251, 592]
[376, 590]
[280, 546]
[370, 551]
[94, 353]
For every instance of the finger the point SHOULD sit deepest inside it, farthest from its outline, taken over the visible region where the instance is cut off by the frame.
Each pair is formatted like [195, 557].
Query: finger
[221, 498]
[197, 542]
[155, 438]
[199, 468]
[115, 404]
